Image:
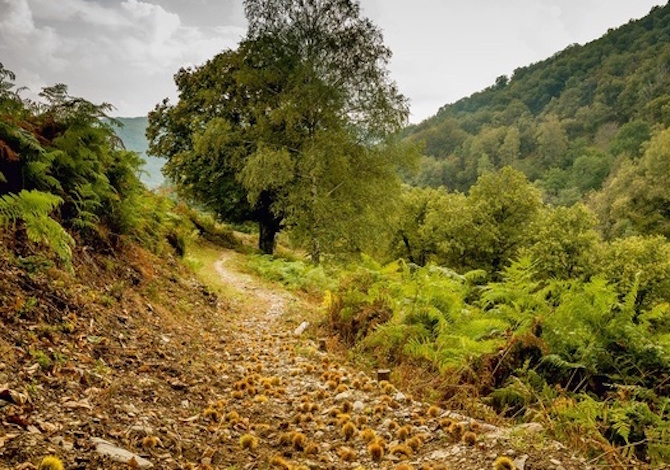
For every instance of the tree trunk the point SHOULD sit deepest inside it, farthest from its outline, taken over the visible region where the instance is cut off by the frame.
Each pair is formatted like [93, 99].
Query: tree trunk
[410, 257]
[268, 229]
[268, 224]
[316, 252]
[316, 244]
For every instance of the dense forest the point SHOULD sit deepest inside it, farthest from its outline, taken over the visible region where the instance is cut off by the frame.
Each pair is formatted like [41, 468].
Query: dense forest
[523, 264]
[567, 122]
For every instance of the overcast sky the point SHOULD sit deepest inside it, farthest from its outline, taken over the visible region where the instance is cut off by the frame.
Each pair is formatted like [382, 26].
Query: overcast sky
[125, 52]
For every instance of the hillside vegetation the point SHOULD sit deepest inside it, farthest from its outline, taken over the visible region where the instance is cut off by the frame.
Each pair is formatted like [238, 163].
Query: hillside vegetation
[566, 122]
[524, 278]
[113, 356]
[516, 308]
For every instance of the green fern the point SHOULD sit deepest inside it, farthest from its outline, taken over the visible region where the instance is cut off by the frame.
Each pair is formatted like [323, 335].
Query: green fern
[620, 423]
[33, 208]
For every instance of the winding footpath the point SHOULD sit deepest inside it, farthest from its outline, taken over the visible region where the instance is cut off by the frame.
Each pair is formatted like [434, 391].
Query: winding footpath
[293, 406]
[198, 381]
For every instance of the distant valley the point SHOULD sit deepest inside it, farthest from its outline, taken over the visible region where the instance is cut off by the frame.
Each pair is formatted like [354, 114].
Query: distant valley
[133, 136]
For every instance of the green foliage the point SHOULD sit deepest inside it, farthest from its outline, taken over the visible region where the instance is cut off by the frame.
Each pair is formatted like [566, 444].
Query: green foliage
[294, 274]
[630, 138]
[636, 199]
[503, 205]
[483, 230]
[416, 236]
[565, 243]
[562, 350]
[63, 153]
[212, 231]
[41, 358]
[33, 209]
[640, 261]
[602, 97]
[404, 311]
[290, 130]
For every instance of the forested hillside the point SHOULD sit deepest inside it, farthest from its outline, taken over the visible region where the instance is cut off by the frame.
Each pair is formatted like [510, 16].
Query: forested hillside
[565, 122]
[523, 279]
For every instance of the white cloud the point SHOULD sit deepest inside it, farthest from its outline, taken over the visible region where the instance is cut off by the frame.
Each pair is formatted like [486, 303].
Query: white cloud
[18, 33]
[17, 16]
[77, 11]
[124, 52]
[157, 23]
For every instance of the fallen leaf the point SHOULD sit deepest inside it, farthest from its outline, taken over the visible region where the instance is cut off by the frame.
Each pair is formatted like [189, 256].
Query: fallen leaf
[78, 404]
[12, 396]
[6, 438]
[189, 420]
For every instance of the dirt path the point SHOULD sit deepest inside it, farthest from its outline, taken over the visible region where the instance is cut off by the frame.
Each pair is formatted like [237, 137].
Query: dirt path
[305, 409]
[272, 302]
[186, 380]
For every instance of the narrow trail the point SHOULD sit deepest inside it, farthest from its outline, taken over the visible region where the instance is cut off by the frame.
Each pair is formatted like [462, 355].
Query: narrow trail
[307, 410]
[199, 381]
[272, 302]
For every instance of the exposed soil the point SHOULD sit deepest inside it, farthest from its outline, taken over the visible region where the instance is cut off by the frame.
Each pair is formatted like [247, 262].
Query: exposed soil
[140, 354]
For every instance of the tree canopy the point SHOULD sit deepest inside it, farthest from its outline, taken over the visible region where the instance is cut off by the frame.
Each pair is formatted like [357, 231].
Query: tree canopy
[580, 109]
[292, 128]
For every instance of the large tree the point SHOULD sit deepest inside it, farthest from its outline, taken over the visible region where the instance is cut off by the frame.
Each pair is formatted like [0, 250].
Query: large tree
[292, 128]
[636, 198]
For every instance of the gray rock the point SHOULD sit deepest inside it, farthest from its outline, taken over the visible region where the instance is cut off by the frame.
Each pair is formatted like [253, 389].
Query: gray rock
[526, 428]
[301, 328]
[117, 454]
[485, 427]
[141, 429]
[130, 409]
[358, 406]
[403, 414]
[439, 455]
[520, 462]
[530, 428]
[346, 395]
[67, 445]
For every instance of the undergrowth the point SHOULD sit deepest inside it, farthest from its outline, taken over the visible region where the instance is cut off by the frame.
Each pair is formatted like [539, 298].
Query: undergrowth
[584, 358]
[578, 356]
[294, 274]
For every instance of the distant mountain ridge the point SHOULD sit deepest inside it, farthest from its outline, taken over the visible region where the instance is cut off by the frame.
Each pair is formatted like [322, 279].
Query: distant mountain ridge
[573, 113]
[134, 138]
